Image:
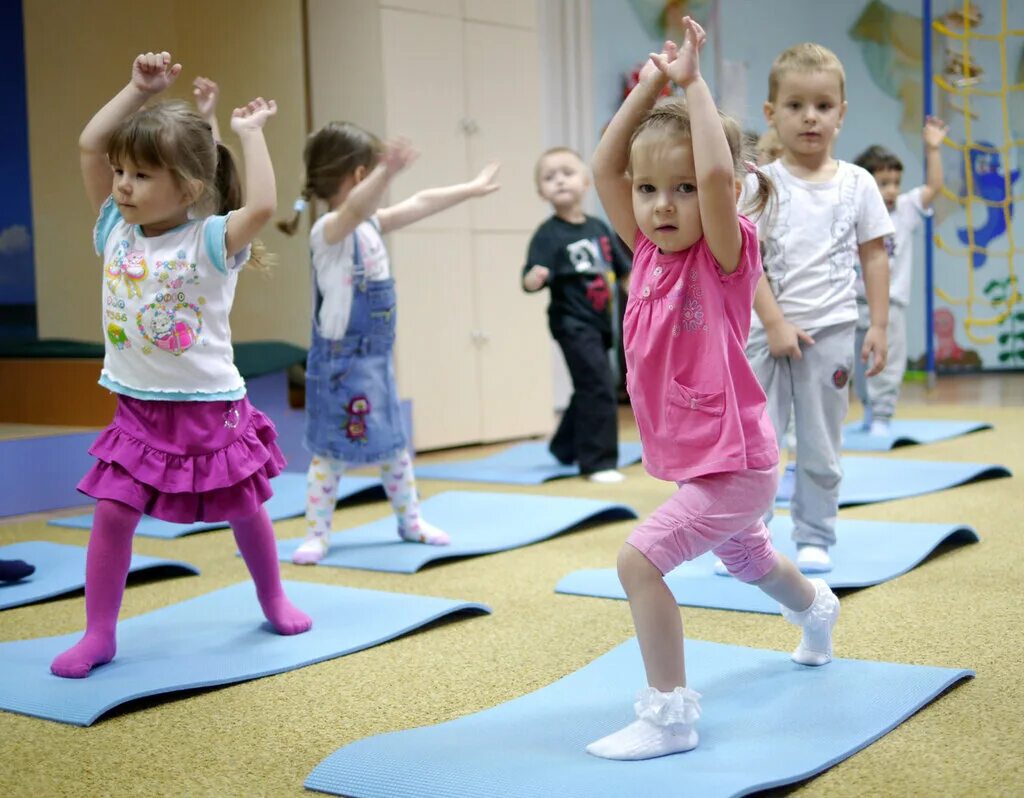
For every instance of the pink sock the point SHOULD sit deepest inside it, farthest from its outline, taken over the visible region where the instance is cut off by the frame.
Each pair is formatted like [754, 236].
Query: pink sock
[255, 538]
[106, 569]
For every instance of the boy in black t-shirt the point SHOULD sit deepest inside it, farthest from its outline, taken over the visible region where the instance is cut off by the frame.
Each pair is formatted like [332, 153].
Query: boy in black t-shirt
[572, 254]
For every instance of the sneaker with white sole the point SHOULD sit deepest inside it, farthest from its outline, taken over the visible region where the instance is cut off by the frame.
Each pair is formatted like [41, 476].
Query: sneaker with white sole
[608, 477]
[812, 559]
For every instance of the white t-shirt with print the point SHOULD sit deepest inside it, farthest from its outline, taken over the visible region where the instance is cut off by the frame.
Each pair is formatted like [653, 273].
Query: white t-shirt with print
[334, 266]
[811, 236]
[166, 301]
[907, 215]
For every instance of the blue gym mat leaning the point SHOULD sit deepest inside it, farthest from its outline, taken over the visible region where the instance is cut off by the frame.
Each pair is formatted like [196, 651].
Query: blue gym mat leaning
[213, 639]
[766, 722]
[866, 553]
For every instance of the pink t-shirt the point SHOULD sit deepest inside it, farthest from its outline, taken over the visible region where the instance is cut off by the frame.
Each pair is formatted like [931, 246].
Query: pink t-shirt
[698, 405]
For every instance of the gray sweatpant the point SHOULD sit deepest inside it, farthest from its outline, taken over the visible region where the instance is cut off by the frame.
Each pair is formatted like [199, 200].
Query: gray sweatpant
[879, 394]
[814, 389]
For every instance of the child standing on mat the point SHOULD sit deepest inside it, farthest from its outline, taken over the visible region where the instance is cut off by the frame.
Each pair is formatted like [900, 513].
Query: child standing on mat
[352, 411]
[828, 215]
[573, 254]
[185, 444]
[668, 176]
[880, 393]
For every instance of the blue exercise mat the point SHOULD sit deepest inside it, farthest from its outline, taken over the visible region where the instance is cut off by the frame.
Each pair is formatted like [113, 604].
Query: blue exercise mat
[288, 501]
[866, 553]
[875, 479]
[218, 638]
[906, 432]
[522, 464]
[40, 474]
[61, 569]
[766, 722]
[478, 523]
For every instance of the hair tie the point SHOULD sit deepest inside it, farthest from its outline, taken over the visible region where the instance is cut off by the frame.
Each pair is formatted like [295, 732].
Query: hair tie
[751, 166]
[300, 205]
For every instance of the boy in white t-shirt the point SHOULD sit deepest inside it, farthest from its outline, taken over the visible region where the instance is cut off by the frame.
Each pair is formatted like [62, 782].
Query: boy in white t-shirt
[880, 393]
[828, 214]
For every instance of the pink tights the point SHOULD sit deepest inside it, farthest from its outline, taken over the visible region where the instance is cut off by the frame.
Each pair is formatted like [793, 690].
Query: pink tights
[106, 569]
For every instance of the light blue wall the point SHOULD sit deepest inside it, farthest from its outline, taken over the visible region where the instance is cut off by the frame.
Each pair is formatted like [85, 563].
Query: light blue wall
[756, 31]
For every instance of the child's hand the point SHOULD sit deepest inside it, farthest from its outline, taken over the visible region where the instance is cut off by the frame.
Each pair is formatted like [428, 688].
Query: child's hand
[484, 183]
[651, 70]
[536, 278]
[153, 72]
[685, 68]
[934, 132]
[205, 91]
[398, 154]
[784, 339]
[252, 116]
[876, 348]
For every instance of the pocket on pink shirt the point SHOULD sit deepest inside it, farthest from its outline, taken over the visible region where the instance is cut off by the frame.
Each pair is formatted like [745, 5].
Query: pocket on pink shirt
[696, 415]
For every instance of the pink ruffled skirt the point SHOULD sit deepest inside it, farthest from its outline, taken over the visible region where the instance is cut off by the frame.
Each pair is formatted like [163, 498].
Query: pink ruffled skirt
[186, 461]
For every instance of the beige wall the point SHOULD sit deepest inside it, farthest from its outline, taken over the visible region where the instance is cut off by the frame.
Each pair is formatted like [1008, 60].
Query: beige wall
[77, 56]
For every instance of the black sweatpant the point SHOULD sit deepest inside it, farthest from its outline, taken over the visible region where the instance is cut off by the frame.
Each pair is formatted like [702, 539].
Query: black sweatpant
[589, 431]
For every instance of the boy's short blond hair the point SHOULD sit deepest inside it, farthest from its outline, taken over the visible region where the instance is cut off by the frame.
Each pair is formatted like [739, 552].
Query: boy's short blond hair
[806, 57]
[554, 151]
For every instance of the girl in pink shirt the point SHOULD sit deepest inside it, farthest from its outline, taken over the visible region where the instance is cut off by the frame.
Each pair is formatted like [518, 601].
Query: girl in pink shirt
[668, 176]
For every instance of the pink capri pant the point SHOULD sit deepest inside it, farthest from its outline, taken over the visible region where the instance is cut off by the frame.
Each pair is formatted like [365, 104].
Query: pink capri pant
[722, 513]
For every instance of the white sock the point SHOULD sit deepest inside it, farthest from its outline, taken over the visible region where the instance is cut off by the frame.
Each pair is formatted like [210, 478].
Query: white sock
[312, 550]
[816, 621]
[811, 559]
[664, 725]
[425, 532]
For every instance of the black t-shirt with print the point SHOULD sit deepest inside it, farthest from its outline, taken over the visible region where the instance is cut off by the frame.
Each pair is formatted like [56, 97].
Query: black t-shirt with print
[579, 257]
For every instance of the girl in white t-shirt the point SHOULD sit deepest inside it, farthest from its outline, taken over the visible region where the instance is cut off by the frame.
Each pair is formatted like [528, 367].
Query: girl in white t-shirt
[185, 445]
[353, 416]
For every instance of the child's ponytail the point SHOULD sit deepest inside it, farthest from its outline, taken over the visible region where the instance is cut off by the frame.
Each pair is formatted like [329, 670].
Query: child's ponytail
[759, 201]
[289, 226]
[230, 198]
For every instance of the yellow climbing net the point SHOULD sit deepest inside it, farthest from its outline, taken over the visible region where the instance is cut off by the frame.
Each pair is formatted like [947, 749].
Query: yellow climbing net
[982, 314]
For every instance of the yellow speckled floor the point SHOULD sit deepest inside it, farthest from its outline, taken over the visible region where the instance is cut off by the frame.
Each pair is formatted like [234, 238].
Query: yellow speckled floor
[961, 608]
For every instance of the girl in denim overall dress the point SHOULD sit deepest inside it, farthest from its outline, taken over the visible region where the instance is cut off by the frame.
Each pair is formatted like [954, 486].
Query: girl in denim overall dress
[352, 410]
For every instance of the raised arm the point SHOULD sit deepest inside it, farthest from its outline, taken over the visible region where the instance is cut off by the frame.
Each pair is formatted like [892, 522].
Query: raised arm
[434, 200]
[611, 158]
[260, 189]
[206, 92]
[151, 74]
[716, 177]
[935, 131]
[364, 199]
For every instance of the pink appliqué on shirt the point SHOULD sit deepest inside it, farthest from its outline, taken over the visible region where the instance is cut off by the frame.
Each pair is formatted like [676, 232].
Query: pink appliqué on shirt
[698, 406]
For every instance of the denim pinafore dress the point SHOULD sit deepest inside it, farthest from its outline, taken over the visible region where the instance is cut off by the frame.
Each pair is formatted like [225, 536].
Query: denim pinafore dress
[352, 409]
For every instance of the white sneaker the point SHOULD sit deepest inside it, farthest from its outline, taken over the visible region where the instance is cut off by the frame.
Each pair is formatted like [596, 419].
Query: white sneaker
[813, 559]
[880, 428]
[608, 477]
[816, 621]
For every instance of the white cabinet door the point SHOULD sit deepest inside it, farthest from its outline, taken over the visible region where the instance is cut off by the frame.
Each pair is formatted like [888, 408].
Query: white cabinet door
[522, 13]
[423, 96]
[436, 354]
[503, 100]
[514, 343]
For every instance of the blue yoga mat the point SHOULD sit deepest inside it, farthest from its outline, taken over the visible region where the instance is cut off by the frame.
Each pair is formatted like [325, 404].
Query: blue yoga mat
[218, 638]
[906, 433]
[61, 569]
[522, 464]
[875, 479]
[478, 523]
[767, 722]
[866, 553]
[288, 501]
[40, 474]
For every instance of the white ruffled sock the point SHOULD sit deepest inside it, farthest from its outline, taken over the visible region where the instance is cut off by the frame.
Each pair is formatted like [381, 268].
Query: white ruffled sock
[664, 725]
[816, 621]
